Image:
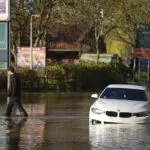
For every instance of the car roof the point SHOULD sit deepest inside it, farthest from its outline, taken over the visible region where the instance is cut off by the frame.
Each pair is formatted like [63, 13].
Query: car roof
[127, 86]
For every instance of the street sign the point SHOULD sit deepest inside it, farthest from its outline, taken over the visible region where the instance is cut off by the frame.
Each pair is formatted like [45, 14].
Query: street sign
[3, 36]
[3, 45]
[142, 52]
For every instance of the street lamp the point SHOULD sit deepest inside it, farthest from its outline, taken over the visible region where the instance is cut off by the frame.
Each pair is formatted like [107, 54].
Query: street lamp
[31, 47]
[102, 17]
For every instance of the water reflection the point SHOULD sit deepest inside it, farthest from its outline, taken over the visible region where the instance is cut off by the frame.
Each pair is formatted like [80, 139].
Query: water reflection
[60, 122]
[54, 122]
[119, 137]
[14, 128]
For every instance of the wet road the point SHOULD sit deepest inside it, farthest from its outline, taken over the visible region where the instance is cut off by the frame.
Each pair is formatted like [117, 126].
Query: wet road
[60, 122]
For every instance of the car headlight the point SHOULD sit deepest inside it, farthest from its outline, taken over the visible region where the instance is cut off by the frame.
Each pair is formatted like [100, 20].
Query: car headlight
[97, 111]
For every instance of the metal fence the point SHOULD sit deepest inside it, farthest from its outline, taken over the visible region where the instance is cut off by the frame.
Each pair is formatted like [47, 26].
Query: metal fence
[45, 83]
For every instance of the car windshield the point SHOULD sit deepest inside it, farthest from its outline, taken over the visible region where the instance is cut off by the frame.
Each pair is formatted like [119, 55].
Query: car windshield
[122, 93]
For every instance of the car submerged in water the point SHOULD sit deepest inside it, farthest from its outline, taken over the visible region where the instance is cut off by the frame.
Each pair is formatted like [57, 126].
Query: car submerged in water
[121, 103]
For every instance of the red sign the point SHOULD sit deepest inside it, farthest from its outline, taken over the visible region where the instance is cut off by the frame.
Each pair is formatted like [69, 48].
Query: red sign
[142, 52]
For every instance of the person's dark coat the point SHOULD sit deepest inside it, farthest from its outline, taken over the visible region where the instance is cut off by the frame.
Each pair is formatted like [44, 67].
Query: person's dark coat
[14, 89]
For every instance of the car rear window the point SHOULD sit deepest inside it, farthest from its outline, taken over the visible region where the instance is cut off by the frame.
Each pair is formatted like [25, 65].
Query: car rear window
[122, 93]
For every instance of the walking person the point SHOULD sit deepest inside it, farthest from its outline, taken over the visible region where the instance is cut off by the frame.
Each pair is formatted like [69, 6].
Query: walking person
[14, 93]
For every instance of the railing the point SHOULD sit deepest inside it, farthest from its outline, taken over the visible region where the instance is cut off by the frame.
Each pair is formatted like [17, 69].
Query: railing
[46, 83]
[3, 84]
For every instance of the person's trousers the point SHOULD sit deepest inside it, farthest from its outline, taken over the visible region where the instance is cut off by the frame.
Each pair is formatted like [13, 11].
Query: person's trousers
[15, 101]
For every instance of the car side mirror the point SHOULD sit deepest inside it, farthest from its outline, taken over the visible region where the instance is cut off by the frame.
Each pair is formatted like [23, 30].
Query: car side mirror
[94, 96]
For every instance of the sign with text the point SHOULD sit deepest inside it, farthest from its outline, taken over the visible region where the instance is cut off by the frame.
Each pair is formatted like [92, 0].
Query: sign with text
[4, 10]
[3, 45]
[3, 36]
[24, 57]
[141, 52]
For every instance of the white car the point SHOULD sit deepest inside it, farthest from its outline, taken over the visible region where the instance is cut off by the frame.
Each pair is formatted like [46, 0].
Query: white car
[120, 103]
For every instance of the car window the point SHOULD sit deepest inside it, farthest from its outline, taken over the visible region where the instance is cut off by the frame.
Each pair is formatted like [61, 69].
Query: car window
[122, 93]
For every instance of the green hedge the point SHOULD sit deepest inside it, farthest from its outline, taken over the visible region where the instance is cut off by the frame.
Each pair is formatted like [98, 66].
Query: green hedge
[88, 76]
[74, 77]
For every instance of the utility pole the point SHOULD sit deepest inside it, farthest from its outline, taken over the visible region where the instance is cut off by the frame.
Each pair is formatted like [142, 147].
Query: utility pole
[31, 41]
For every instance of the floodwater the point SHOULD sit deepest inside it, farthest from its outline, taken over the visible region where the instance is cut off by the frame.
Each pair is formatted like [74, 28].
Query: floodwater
[60, 122]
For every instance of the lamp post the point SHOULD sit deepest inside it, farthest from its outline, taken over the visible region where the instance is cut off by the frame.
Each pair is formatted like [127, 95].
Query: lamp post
[31, 47]
[102, 17]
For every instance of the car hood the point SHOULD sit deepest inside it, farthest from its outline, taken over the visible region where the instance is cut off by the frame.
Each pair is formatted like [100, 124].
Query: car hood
[122, 105]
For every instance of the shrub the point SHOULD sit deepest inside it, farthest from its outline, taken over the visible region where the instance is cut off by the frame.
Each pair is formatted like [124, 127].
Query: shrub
[88, 76]
[80, 76]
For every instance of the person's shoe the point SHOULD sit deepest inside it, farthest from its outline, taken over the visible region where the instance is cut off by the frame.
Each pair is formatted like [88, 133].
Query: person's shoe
[26, 115]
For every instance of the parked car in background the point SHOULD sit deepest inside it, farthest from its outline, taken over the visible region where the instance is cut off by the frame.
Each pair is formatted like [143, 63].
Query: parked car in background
[120, 103]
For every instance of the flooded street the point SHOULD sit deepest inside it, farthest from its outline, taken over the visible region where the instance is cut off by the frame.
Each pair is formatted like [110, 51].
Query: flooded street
[60, 122]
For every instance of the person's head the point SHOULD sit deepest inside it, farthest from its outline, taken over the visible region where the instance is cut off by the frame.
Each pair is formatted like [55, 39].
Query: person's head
[10, 70]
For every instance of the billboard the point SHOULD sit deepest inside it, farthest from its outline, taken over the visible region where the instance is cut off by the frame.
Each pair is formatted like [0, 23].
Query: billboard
[4, 10]
[24, 57]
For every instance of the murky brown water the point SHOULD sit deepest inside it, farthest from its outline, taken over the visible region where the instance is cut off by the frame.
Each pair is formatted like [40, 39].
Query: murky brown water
[60, 122]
